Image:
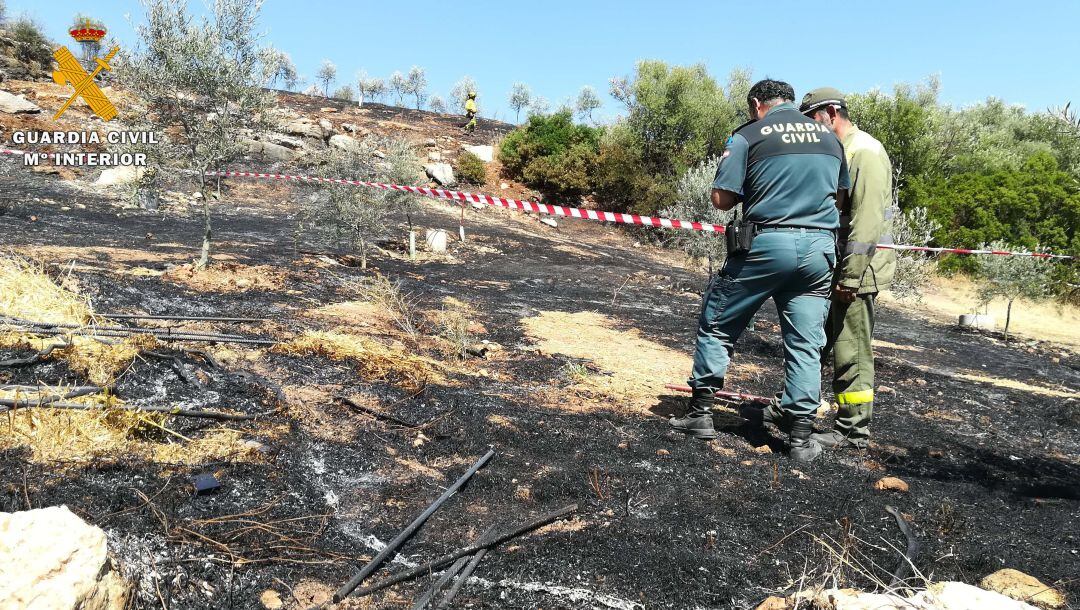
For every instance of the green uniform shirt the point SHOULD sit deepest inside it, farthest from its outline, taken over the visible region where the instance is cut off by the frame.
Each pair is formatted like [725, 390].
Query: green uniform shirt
[865, 225]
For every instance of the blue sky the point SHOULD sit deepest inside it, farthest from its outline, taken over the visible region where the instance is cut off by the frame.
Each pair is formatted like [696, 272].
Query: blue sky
[1024, 52]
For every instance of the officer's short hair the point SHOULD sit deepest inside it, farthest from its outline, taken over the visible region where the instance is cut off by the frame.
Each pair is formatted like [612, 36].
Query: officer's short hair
[768, 89]
[841, 111]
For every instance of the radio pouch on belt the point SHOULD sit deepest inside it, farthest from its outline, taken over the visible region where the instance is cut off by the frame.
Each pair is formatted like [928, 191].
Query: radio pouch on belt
[739, 237]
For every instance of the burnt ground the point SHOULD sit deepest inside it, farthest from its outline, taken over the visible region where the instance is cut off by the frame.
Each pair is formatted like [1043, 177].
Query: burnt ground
[664, 522]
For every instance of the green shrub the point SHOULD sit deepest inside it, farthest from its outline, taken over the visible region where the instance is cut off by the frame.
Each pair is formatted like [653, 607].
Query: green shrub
[470, 169]
[30, 44]
[552, 155]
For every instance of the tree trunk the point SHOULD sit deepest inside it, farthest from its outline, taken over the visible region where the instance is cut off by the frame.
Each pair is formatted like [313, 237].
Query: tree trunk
[363, 253]
[204, 255]
[1008, 318]
[412, 244]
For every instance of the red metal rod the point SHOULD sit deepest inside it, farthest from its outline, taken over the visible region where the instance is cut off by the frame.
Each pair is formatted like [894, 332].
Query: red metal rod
[720, 393]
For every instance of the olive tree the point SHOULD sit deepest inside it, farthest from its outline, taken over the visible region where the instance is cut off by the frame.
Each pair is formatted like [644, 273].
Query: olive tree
[350, 215]
[437, 104]
[416, 85]
[1012, 277]
[202, 82]
[587, 102]
[693, 202]
[327, 74]
[459, 93]
[539, 106]
[520, 97]
[373, 88]
[278, 66]
[399, 86]
[914, 270]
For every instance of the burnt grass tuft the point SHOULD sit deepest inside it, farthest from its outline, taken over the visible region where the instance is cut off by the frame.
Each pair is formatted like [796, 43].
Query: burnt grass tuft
[665, 522]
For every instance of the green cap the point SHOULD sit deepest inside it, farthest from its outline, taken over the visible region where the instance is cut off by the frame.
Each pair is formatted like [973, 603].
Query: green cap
[821, 97]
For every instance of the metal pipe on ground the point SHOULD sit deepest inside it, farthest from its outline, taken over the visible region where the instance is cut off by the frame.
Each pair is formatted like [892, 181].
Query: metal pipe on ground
[126, 329]
[163, 337]
[462, 578]
[74, 392]
[215, 415]
[450, 573]
[469, 550]
[406, 533]
[721, 394]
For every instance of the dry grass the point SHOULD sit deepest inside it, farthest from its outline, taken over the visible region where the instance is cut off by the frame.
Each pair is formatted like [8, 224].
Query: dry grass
[375, 360]
[228, 277]
[28, 293]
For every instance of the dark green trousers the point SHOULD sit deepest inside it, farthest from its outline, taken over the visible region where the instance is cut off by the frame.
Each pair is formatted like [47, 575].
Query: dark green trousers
[850, 331]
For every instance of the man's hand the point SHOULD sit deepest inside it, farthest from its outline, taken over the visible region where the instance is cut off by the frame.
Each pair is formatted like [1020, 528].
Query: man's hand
[841, 294]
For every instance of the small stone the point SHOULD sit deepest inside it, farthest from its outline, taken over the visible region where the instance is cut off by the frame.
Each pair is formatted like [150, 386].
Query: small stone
[762, 449]
[1055, 360]
[504, 186]
[328, 109]
[884, 389]
[624, 445]
[662, 452]
[747, 462]
[920, 381]
[271, 600]
[802, 475]
[936, 453]
[1023, 587]
[891, 484]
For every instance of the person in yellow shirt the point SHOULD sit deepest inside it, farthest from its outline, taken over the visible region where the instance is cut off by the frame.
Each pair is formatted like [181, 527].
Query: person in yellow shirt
[470, 112]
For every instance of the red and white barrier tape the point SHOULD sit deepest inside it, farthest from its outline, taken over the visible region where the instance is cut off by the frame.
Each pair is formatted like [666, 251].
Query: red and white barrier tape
[558, 210]
[517, 204]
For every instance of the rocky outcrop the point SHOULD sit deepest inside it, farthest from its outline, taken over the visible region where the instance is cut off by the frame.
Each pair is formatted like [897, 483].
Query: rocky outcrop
[1023, 587]
[345, 143]
[486, 153]
[119, 175]
[307, 128]
[442, 173]
[938, 596]
[16, 104]
[53, 560]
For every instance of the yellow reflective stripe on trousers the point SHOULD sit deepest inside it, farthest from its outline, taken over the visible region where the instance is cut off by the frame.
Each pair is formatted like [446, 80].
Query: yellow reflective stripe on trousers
[855, 398]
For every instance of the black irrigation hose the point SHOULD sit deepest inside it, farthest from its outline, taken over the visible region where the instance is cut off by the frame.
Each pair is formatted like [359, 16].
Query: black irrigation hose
[463, 576]
[124, 316]
[119, 329]
[166, 410]
[193, 337]
[437, 586]
[910, 553]
[469, 550]
[377, 414]
[406, 533]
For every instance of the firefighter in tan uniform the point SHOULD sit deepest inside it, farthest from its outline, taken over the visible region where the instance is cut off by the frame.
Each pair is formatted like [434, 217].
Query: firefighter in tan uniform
[862, 272]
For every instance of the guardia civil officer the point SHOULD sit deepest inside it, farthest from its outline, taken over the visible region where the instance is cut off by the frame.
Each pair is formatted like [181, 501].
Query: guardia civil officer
[863, 270]
[788, 172]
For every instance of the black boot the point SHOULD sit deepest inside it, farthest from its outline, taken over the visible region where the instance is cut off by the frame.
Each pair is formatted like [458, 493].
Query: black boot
[801, 447]
[771, 414]
[698, 420]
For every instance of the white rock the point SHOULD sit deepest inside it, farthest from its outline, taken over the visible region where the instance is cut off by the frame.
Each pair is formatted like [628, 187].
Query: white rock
[939, 596]
[436, 240]
[486, 153]
[551, 222]
[327, 127]
[53, 560]
[440, 172]
[16, 104]
[272, 151]
[345, 143]
[434, 156]
[971, 320]
[121, 174]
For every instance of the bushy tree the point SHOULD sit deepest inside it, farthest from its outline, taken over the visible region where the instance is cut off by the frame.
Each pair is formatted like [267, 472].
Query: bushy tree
[552, 154]
[416, 85]
[327, 74]
[587, 101]
[345, 93]
[677, 116]
[520, 97]
[202, 82]
[352, 215]
[278, 66]
[399, 86]
[459, 93]
[693, 203]
[369, 88]
[1012, 277]
[401, 166]
[31, 45]
[437, 104]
